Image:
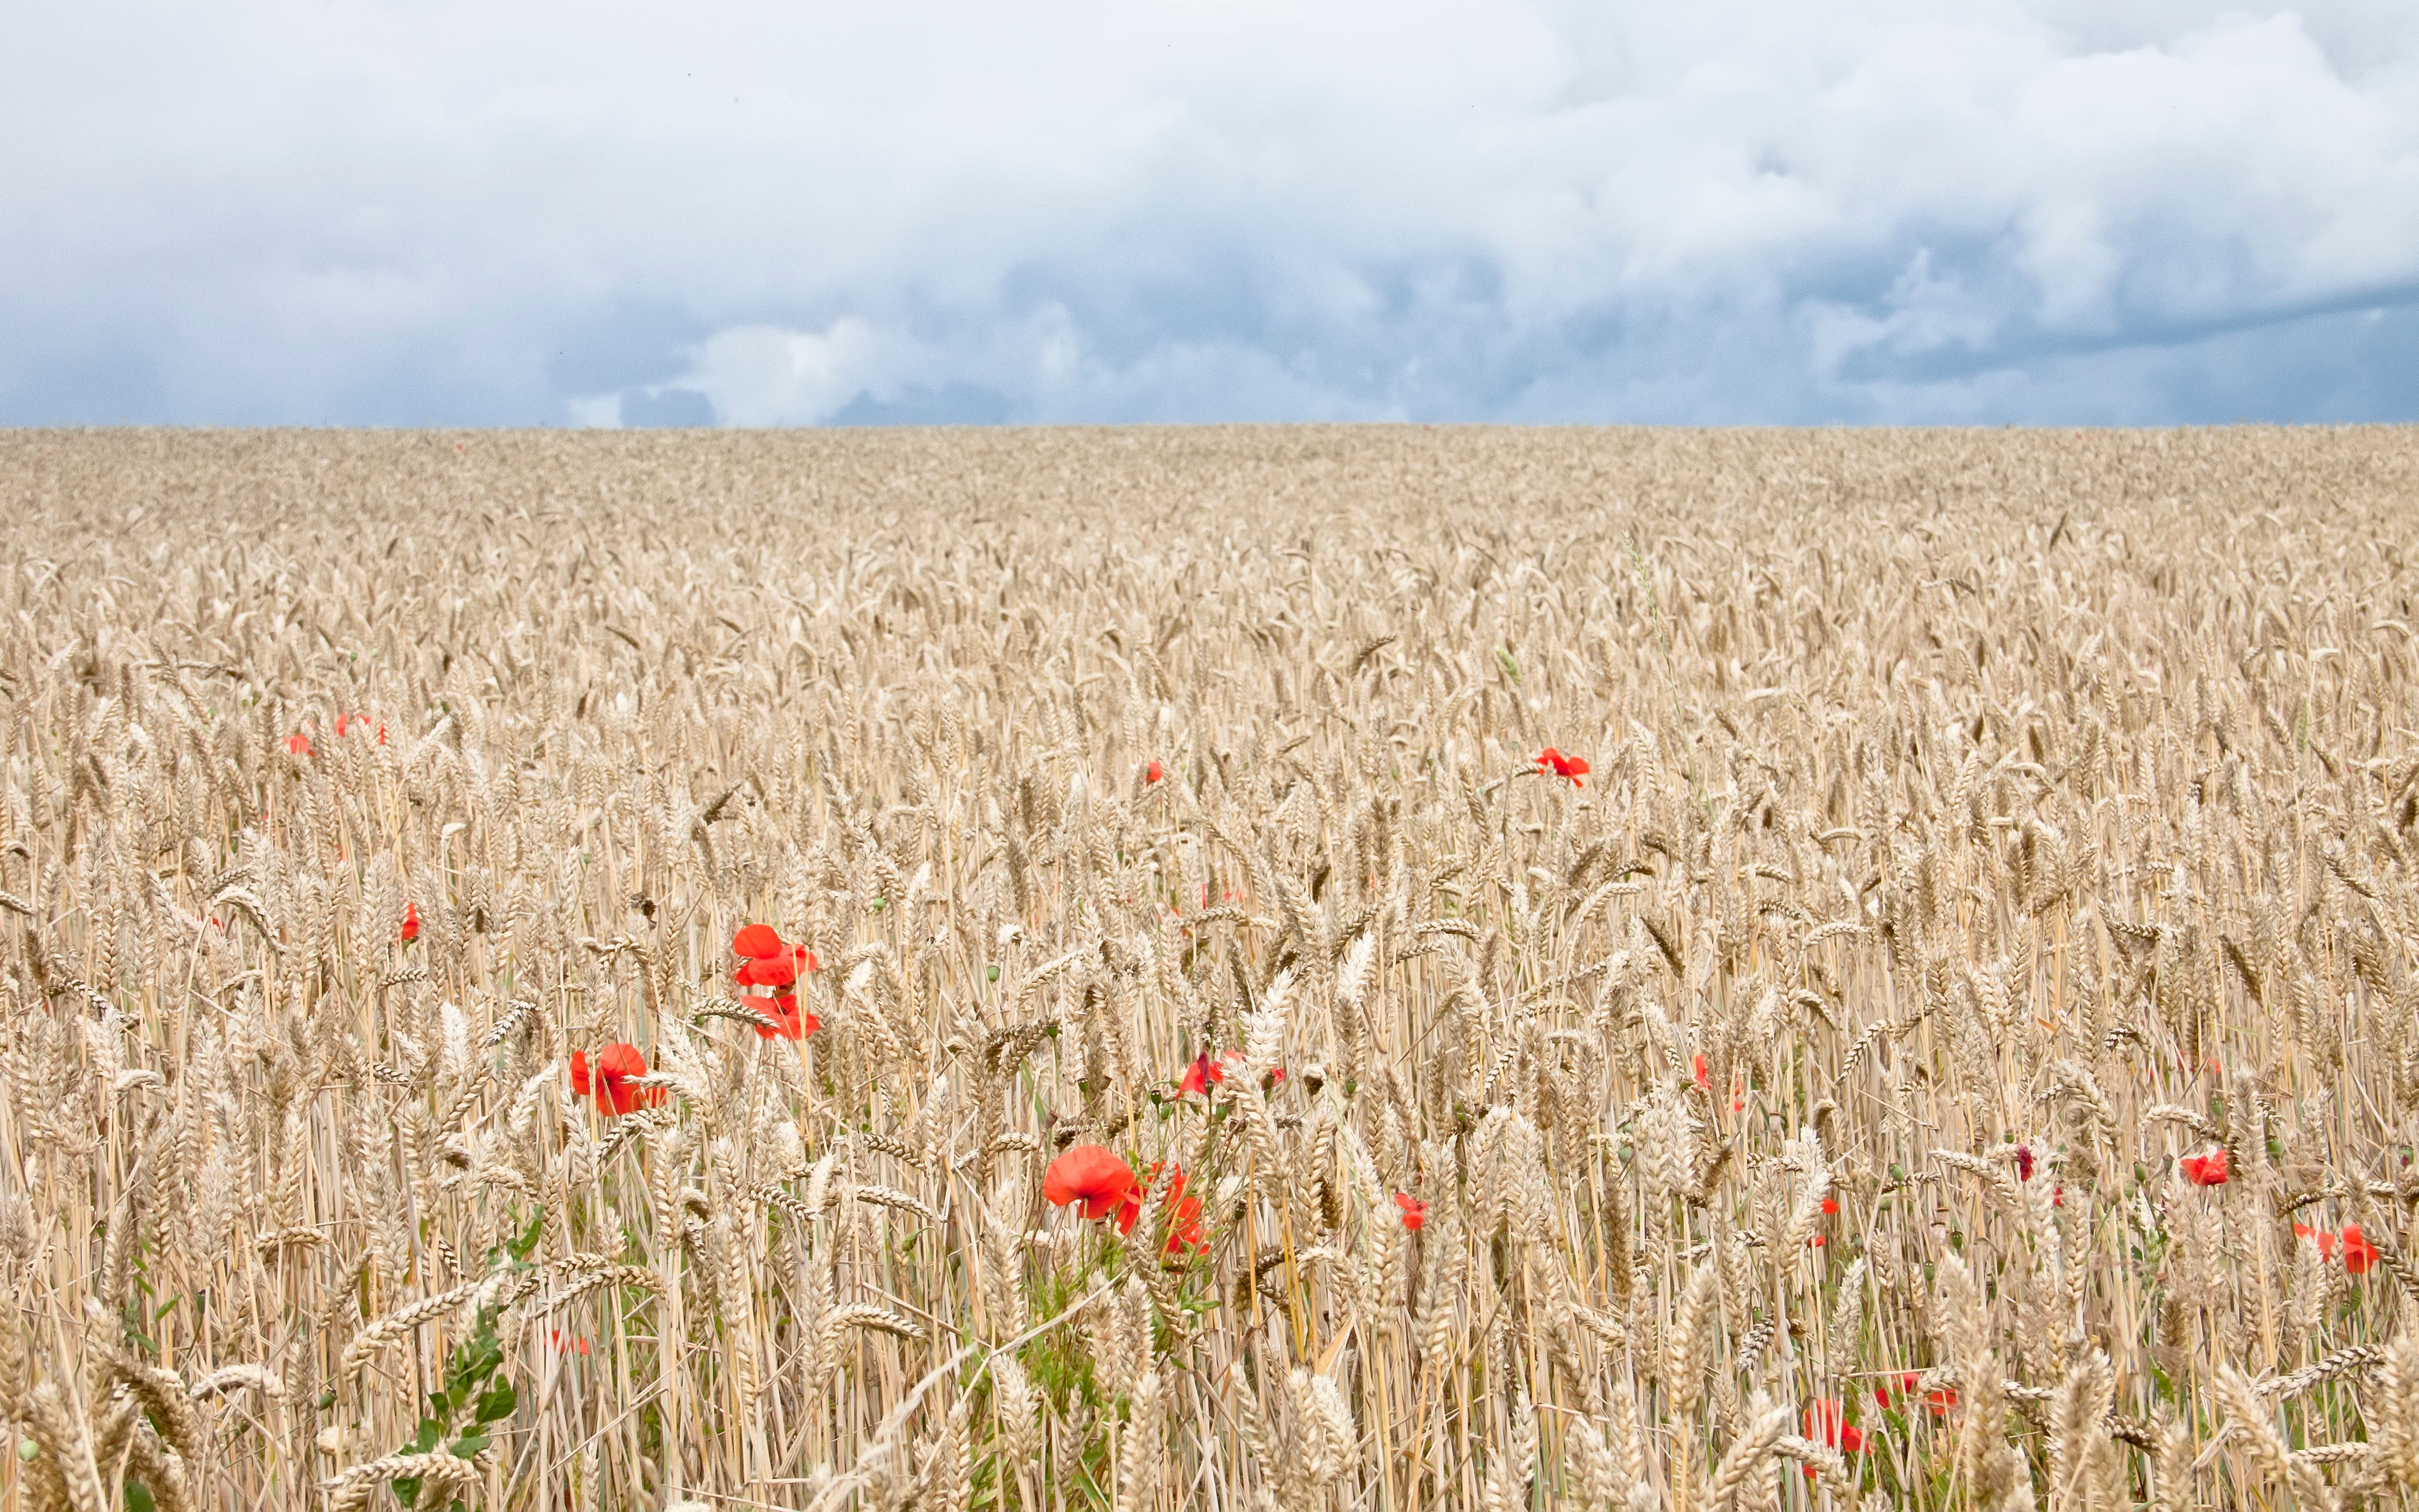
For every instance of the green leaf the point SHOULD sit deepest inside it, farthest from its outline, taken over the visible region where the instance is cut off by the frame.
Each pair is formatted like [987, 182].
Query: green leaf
[475, 1360]
[526, 1242]
[497, 1402]
[431, 1431]
[138, 1497]
[468, 1444]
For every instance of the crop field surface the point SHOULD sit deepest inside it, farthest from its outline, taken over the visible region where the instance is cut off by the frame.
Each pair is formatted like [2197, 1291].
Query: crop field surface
[1310, 969]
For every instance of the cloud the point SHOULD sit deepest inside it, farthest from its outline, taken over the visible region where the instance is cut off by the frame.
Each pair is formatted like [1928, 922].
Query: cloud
[769, 376]
[1749, 210]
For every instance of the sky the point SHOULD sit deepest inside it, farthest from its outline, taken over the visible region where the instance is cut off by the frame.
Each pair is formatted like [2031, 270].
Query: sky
[371, 212]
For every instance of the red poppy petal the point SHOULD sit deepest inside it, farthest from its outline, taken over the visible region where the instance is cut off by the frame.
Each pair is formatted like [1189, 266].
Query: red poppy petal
[757, 940]
[1090, 1175]
[773, 971]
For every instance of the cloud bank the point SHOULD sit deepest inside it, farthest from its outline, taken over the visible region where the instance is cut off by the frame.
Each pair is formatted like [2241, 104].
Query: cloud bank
[351, 211]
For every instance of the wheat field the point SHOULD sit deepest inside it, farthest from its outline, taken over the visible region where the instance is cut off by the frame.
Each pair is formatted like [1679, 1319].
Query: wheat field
[1326, 968]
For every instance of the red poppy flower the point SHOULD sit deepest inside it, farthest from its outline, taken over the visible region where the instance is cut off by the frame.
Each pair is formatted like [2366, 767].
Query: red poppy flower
[2359, 1253]
[1415, 1212]
[410, 931]
[381, 732]
[1207, 1072]
[2024, 1163]
[1201, 1075]
[779, 970]
[766, 960]
[1091, 1175]
[617, 1066]
[1184, 1227]
[2325, 1241]
[1830, 1206]
[2204, 1170]
[1129, 1206]
[1573, 767]
[1938, 1403]
[754, 942]
[1184, 1213]
[566, 1343]
[298, 744]
[789, 1022]
[1826, 1424]
[1152, 772]
[1704, 1076]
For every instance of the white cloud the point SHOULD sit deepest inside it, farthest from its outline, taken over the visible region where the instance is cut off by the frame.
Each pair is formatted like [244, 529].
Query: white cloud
[765, 376]
[282, 209]
[595, 411]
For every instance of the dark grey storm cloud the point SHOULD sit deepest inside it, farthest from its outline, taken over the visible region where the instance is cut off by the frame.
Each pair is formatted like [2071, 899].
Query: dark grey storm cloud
[366, 212]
